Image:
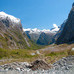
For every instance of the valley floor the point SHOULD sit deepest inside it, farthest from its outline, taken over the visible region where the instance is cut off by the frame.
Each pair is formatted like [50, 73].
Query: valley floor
[52, 54]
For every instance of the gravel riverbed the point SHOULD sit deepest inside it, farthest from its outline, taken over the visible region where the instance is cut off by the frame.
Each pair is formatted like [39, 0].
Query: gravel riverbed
[63, 66]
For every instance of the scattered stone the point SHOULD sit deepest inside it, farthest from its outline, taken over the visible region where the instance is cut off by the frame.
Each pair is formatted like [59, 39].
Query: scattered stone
[65, 63]
[33, 54]
[62, 66]
[18, 69]
[37, 52]
[72, 49]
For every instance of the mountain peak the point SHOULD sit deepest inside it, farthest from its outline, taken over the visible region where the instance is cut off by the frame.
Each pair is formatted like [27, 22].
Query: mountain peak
[13, 19]
[73, 4]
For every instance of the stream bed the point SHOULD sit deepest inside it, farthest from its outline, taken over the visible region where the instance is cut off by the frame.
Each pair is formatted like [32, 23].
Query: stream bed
[62, 66]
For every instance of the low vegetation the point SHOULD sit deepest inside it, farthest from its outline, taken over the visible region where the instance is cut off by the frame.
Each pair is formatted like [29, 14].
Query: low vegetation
[52, 57]
[26, 55]
[17, 53]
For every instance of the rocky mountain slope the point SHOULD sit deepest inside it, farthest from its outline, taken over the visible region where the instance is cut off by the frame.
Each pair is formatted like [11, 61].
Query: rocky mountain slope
[67, 34]
[55, 37]
[45, 38]
[11, 33]
[33, 34]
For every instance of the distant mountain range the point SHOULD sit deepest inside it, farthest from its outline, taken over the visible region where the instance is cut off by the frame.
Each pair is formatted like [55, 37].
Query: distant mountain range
[45, 38]
[42, 37]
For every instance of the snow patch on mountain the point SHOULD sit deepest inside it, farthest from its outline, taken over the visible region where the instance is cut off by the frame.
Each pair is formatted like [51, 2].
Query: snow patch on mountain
[28, 29]
[46, 30]
[13, 19]
[35, 30]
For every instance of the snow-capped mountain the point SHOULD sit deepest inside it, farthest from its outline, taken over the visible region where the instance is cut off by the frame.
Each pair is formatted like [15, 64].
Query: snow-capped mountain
[33, 34]
[4, 16]
[45, 30]
[11, 33]
[36, 34]
[35, 30]
[10, 21]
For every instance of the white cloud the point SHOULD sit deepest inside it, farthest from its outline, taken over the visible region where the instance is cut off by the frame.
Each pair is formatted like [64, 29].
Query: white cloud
[55, 26]
[55, 29]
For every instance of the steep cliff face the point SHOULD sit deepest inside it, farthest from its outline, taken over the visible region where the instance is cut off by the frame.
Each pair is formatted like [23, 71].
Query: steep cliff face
[11, 33]
[45, 38]
[55, 37]
[67, 34]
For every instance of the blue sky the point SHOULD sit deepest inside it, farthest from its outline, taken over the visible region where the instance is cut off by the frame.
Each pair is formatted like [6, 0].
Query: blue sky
[41, 14]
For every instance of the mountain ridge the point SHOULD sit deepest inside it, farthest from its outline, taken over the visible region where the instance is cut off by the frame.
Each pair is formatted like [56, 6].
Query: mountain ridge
[11, 33]
[36, 35]
[67, 34]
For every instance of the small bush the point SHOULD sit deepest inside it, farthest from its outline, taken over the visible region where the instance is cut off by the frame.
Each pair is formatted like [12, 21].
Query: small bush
[4, 53]
[70, 52]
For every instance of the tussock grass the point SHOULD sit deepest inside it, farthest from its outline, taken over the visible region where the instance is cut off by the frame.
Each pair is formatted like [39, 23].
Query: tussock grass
[51, 57]
[16, 53]
[71, 52]
[21, 55]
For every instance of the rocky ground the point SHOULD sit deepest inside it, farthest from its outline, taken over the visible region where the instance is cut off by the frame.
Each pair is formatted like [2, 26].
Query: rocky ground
[63, 66]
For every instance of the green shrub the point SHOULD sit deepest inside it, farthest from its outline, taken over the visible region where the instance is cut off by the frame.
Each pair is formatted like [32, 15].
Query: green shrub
[4, 53]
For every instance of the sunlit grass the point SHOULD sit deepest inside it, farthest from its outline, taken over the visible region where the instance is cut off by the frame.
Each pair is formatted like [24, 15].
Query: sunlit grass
[21, 55]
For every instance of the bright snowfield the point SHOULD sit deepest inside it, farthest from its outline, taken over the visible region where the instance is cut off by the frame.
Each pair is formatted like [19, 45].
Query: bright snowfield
[13, 19]
[35, 30]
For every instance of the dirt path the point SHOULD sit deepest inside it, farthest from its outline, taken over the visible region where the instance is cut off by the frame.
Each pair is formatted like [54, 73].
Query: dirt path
[54, 48]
